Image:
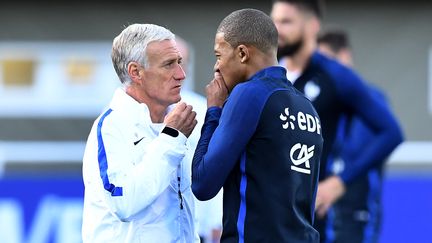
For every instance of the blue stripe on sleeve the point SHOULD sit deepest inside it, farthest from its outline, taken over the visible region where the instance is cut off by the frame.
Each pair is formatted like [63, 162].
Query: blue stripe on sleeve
[242, 211]
[224, 138]
[103, 163]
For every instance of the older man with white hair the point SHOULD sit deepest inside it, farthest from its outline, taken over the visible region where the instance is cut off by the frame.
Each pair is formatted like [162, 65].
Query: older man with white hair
[137, 162]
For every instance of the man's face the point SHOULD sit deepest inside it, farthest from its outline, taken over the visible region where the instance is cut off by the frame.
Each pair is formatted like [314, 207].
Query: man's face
[228, 63]
[164, 74]
[290, 23]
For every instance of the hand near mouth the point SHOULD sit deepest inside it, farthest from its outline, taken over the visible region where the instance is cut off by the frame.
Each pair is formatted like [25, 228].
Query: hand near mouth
[217, 91]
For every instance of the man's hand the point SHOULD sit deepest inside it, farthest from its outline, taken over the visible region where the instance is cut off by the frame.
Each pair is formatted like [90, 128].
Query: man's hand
[329, 191]
[182, 118]
[217, 91]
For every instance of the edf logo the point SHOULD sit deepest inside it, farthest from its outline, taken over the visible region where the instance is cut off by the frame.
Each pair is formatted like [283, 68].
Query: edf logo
[302, 121]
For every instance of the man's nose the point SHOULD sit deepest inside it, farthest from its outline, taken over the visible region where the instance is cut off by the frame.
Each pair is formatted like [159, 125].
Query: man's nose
[180, 73]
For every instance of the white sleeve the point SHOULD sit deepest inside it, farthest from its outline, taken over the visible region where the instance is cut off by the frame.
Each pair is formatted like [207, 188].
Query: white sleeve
[142, 183]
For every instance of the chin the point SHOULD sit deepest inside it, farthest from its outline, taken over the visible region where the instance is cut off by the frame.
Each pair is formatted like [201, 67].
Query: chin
[177, 98]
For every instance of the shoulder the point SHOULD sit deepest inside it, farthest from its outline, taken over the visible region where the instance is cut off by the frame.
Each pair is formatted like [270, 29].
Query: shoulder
[110, 120]
[105, 122]
[251, 91]
[247, 97]
[377, 92]
[343, 77]
[332, 68]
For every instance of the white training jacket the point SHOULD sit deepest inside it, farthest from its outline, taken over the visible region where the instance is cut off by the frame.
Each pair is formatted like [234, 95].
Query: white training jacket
[137, 179]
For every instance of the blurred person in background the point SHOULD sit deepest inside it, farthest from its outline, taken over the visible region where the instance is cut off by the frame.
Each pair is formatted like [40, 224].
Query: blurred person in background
[257, 143]
[208, 213]
[137, 162]
[336, 44]
[335, 91]
[356, 215]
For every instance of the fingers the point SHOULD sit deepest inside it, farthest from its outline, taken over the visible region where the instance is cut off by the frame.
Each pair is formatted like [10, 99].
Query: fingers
[216, 91]
[191, 117]
[190, 122]
[181, 106]
[188, 115]
[217, 74]
[188, 109]
[182, 118]
[219, 80]
[321, 210]
[189, 129]
[321, 207]
[329, 191]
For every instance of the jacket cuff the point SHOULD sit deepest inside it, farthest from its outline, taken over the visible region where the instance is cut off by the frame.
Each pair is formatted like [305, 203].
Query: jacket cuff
[179, 139]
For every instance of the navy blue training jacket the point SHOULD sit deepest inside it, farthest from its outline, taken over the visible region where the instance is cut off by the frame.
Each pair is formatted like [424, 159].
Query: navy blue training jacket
[264, 148]
[336, 91]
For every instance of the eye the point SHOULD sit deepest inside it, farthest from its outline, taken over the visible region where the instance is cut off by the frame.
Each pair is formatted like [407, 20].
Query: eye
[169, 64]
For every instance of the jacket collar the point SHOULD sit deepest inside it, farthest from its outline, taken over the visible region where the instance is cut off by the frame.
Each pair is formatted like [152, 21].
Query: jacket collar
[130, 108]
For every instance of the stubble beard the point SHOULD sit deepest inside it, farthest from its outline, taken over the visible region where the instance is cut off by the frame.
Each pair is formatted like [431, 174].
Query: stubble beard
[289, 50]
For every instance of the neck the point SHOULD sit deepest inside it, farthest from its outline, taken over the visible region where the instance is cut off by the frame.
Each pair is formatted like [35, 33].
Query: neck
[157, 111]
[299, 61]
[263, 62]
[157, 114]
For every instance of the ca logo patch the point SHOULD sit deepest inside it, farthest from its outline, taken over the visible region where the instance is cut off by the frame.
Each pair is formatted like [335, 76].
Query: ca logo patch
[300, 155]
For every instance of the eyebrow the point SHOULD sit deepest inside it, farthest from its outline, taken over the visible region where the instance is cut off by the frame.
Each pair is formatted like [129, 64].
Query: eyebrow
[171, 60]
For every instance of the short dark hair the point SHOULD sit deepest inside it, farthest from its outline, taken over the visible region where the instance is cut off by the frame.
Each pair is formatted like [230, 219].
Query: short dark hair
[250, 26]
[335, 39]
[316, 7]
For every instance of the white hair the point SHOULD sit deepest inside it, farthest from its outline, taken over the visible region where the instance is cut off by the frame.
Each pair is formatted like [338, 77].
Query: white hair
[131, 46]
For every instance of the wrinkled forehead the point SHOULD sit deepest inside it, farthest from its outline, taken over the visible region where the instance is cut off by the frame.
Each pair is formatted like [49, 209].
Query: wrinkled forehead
[163, 48]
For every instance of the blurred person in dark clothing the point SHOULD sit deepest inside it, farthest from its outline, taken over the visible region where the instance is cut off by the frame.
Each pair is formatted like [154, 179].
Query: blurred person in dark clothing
[335, 91]
[356, 215]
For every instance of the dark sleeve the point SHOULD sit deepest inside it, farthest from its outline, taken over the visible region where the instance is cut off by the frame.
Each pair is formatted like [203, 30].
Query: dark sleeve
[376, 117]
[222, 142]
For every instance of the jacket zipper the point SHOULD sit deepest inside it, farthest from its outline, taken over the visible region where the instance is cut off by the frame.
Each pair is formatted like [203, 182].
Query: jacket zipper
[179, 193]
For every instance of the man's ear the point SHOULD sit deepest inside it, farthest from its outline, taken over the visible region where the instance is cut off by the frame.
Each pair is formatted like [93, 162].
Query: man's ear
[315, 25]
[134, 71]
[243, 53]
